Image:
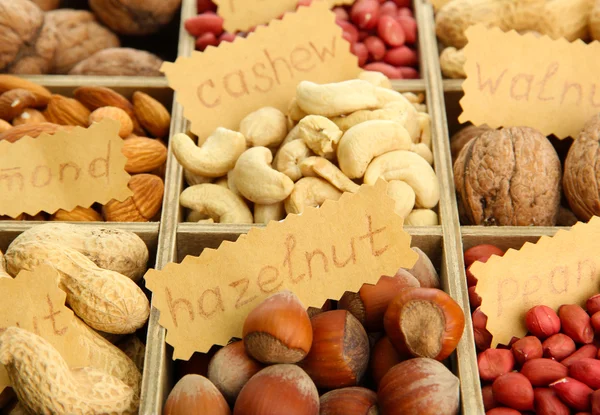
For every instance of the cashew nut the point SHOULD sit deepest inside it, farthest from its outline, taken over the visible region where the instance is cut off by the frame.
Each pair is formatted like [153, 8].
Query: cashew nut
[320, 134]
[310, 191]
[257, 181]
[394, 111]
[217, 202]
[424, 121]
[295, 112]
[216, 156]
[3, 273]
[294, 134]
[222, 181]
[403, 195]
[289, 156]
[330, 100]
[376, 78]
[423, 151]
[265, 127]
[192, 179]
[410, 168]
[414, 98]
[321, 167]
[422, 217]
[267, 213]
[194, 216]
[361, 143]
[231, 184]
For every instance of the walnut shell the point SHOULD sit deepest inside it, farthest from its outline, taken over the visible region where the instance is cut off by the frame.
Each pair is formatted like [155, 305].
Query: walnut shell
[135, 17]
[462, 137]
[582, 173]
[28, 40]
[119, 62]
[508, 177]
[79, 36]
[47, 5]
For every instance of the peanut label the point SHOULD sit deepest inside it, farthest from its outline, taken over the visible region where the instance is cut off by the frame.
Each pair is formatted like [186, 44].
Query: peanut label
[33, 301]
[63, 170]
[318, 255]
[220, 86]
[524, 80]
[563, 269]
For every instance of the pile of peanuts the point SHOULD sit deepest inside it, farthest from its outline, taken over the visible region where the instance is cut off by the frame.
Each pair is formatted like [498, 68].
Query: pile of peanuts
[382, 34]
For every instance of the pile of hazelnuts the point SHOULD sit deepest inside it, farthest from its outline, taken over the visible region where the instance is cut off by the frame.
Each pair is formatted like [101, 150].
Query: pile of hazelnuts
[379, 351]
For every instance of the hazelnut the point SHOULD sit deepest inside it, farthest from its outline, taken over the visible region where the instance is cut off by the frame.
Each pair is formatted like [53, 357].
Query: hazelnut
[230, 369]
[278, 330]
[278, 390]
[419, 386]
[369, 305]
[542, 321]
[514, 390]
[426, 322]
[349, 401]
[384, 357]
[313, 311]
[481, 251]
[340, 351]
[575, 323]
[424, 271]
[194, 394]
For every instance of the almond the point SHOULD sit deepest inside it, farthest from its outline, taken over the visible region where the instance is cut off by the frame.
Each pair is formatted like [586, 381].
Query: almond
[114, 113]
[79, 214]
[29, 116]
[67, 111]
[153, 115]
[144, 205]
[542, 372]
[31, 130]
[143, 154]
[14, 102]
[8, 82]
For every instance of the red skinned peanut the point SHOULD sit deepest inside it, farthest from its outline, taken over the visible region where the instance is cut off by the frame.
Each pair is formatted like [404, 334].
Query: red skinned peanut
[384, 68]
[503, 411]
[471, 280]
[542, 372]
[365, 14]
[390, 31]
[514, 390]
[547, 403]
[408, 73]
[494, 363]
[204, 23]
[558, 346]
[595, 401]
[589, 350]
[405, 11]
[474, 298]
[227, 37]
[207, 39]
[205, 5]
[488, 398]
[360, 50]
[542, 321]
[388, 8]
[527, 348]
[481, 251]
[483, 338]
[403, 3]
[409, 24]
[350, 31]
[574, 393]
[575, 323]
[586, 370]
[341, 13]
[376, 47]
[595, 321]
[401, 56]
[592, 305]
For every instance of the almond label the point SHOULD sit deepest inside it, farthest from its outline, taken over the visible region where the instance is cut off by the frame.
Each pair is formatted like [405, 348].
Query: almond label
[524, 80]
[563, 269]
[34, 302]
[318, 255]
[63, 170]
[220, 86]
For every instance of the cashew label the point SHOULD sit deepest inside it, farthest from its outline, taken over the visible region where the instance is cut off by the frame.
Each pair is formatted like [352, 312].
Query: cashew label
[33, 301]
[63, 170]
[512, 80]
[563, 269]
[220, 86]
[318, 255]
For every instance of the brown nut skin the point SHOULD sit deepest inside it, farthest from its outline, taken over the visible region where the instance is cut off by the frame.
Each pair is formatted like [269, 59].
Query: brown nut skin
[349, 401]
[542, 321]
[478, 252]
[340, 351]
[278, 330]
[424, 271]
[509, 177]
[384, 357]
[419, 386]
[514, 390]
[231, 368]
[575, 323]
[195, 394]
[425, 322]
[463, 136]
[276, 390]
[369, 305]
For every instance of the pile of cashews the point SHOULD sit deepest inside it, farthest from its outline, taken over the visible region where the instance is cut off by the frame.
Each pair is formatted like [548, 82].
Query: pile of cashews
[334, 138]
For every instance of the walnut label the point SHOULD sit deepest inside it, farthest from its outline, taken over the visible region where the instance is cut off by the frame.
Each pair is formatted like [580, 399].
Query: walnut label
[563, 269]
[364, 240]
[63, 170]
[34, 302]
[220, 86]
[524, 80]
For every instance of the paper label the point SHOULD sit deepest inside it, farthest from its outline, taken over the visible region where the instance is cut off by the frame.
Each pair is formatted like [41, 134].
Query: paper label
[220, 86]
[438, 4]
[241, 15]
[515, 80]
[34, 302]
[63, 170]
[563, 269]
[318, 255]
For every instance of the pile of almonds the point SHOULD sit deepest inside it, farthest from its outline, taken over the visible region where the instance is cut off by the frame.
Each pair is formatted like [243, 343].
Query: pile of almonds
[382, 34]
[555, 369]
[28, 109]
[356, 357]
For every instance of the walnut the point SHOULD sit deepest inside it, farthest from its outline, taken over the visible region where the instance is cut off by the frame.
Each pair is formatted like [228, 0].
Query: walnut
[508, 177]
[28, 42]
[47, 4]
[582, 172]
[466, 134]
[79, 36]
[119, 61]
[135, 17]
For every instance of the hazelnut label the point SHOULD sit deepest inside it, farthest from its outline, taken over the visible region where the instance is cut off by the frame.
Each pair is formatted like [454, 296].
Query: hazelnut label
[526, 80]
[63, 170]
[318, 255]
[563, 269]
[220, 86]
[33, 301]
